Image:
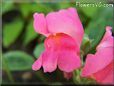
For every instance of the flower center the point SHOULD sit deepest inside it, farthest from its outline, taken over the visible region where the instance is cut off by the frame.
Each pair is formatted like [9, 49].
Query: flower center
[60, 41]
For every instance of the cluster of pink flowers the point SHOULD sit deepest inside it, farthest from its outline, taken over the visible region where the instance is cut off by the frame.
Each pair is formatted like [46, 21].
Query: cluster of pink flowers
[64, 33]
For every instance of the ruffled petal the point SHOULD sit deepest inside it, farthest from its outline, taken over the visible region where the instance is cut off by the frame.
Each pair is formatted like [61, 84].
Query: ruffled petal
[49, 61]
[68, 61]
[109, 79]
[40, 25]
[61, 49]
[66, 21]
[106, 75]
[97, 62]
[108, 40]
[103, 56]
[37, 64]
[61, 41]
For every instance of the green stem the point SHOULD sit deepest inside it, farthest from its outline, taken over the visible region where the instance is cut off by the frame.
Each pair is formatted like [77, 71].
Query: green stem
[8, 71]
[76, 77]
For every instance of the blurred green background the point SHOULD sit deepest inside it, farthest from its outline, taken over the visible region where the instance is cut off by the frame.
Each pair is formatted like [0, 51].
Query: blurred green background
[21, 45]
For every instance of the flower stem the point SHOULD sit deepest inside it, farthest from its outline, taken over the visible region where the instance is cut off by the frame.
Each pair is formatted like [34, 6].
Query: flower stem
[76, 77]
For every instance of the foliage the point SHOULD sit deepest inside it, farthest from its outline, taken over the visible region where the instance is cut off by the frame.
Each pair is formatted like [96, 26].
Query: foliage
[11, 32]
[30, 33]
[38, 50]
[18, 61]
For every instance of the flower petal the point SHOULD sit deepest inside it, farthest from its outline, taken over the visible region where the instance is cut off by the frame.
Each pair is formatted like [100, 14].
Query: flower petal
[107, 40]
[37, 64]
[109, 79]
[61, 49]
[66, 22]
[106, 75]
[102, 57]
[61, 41]
[97, 62]
[40, 25]
[68, 61]
[49, 61]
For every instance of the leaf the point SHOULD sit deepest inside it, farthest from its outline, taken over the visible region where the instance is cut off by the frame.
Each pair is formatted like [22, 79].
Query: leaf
[97, 26]
[38, 50]
[90, 7]
[11, 31]
[63, 5]
[90, 11]
[7, 6]
[30, 33]
[18, 60]
[27, 8]
[41, 7]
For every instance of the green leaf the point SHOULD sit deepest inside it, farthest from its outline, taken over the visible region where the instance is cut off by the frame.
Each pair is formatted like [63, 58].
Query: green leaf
[27, 8]
[97, 26]
[11, 31]
[90, 11]
[18, 60]
[6, 6]
[43, 8]
[63, 5]
[30, 33]
[38, 50]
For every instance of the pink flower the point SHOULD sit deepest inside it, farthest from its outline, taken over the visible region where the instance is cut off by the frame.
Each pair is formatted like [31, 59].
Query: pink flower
[100, 66]
[64, 33]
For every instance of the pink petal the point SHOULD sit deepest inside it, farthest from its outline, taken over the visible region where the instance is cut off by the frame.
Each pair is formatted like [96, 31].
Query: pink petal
[61, 41]
[49, 61]
[106, 75]
[66, 21]
[73, 13]
[61, 49]
[40, 25]
[97, 62]
[107, 40]
[37, 64]
[68, 61]
[102, 57]
[107, 34]
[109, 79]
